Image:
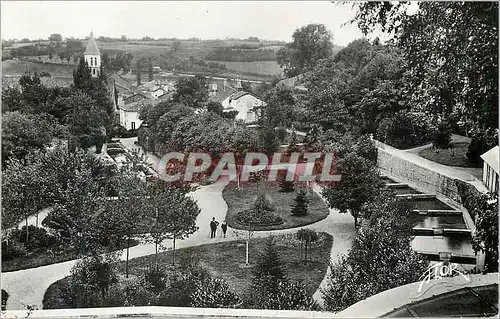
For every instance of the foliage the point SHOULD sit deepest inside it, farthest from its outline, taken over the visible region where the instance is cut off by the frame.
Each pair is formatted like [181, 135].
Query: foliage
[262, 203]
[155, 278]
[300, 206]
[285, 186]
[406, 130]
[452, 55]
[308, 237]
[182, 286]
[24, 133]
[270, 288]
[173, 214]
[441, 138]
[214, 293]
[380, 258]
[484, 211]
[310, 44]
[191, 92]
[480, 144]
[38, 239]
[359, 185]
[258, 217]
[5, 297]
[131, 292]
[90, 281]
[12, 249]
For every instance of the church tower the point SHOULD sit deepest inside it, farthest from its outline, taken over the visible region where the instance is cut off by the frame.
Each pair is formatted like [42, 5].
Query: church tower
[93, 56]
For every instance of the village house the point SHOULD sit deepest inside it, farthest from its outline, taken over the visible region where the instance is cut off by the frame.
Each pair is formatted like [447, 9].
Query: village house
[490, 169]
[129, 115]
[245, 103]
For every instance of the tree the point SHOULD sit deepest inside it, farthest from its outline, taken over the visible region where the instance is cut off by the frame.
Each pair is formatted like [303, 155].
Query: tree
[173, 213]
[191, 92]
[55, 37]
[285, 186]
[130, 207]
[24, 133]
[270, 289]
[360, 184]
[307, 237]
[176, 45]
[300, 206]
[150, 71]
[138, 73]
[310, 44]
[455, 72]
[380, 258]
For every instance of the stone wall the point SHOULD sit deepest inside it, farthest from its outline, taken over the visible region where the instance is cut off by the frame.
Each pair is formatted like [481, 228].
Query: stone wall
[421, 173]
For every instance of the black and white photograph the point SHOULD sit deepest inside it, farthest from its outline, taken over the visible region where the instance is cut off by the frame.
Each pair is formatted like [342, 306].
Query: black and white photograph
[249, 159]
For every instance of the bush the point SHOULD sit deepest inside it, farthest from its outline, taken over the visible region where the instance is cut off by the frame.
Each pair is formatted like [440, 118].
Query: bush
[214, 293]
[37, 238]
[115, 151]
[156, 279]
[131, 292]
[262, 204]
[12, 249]
[405, 130]
[300, 206]
[480, 144]
[258, 218]
[5, 297]
[181, 286]
[441, 138]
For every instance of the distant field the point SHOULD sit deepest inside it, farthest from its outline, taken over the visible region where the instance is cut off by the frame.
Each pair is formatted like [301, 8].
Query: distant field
[17, 67]
[259, 67]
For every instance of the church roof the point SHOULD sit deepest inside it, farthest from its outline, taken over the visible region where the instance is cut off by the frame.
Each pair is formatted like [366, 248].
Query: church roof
[92, 46]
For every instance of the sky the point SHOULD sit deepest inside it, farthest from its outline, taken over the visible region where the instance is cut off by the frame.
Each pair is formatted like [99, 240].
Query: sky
[270, 20]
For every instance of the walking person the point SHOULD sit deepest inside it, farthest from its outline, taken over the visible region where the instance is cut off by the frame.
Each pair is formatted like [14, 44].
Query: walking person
[224, 228]
[213, 227]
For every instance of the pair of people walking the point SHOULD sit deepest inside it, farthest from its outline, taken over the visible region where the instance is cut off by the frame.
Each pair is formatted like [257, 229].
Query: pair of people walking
[213, 228]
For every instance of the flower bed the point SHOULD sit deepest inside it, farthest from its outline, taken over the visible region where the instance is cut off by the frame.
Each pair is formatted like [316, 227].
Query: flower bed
[258, 218]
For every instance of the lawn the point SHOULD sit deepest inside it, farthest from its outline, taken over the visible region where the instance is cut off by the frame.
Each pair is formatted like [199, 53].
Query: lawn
[242, 199]
[455, 156]
[225, 260]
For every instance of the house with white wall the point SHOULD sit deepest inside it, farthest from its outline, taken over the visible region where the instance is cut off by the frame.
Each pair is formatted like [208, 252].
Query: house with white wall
[129, 115]
[245, 103]
[490, 169]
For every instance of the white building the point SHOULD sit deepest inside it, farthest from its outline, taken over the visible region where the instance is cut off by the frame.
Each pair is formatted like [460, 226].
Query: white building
[490, 169]
[245, 103]
[129, 115]
[92, 56]
[156, 93]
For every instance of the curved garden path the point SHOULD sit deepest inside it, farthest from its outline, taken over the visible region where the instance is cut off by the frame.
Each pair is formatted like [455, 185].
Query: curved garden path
[27, 287]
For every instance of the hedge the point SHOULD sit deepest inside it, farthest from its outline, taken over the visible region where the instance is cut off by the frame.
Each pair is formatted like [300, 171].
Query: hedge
[472, 199]
[258, 218]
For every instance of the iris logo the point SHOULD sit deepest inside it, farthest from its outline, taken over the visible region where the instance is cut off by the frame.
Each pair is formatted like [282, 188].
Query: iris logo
[440, 271]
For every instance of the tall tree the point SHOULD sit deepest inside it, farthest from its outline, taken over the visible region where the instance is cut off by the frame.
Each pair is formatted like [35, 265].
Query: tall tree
[452, 54]
[138, 73]
[173, 214]
[150, 70]
[359, 185]
[310, 44]
[192, 92]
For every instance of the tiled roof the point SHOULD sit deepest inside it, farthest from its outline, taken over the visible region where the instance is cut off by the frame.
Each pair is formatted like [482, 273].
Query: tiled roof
[238, 94]
[133, 107]
[222, 94]
[92, 46]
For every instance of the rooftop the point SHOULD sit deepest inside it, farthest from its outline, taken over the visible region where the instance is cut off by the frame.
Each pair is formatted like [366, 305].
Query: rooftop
[491, 158]
[92, 46]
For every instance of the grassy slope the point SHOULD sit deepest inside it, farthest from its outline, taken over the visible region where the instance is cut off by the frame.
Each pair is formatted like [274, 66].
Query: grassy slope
[451, 157]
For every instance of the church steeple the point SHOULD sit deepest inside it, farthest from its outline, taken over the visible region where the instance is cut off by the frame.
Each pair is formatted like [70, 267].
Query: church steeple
[92, 56]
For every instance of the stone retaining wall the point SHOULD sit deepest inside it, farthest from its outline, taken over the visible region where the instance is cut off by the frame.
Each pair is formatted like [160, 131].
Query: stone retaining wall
[425, 175]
